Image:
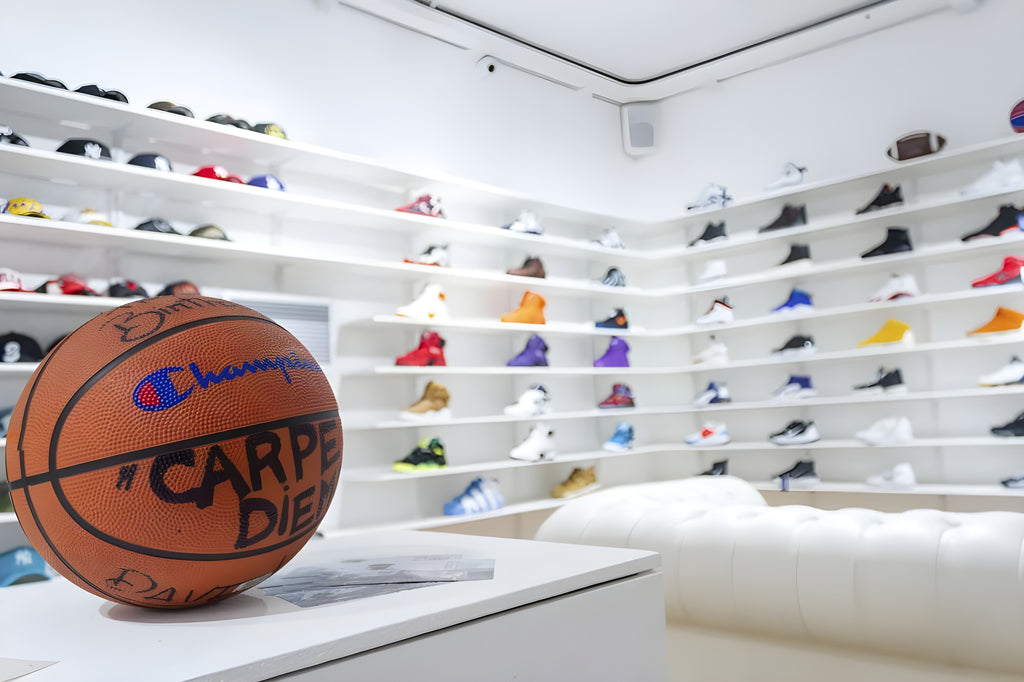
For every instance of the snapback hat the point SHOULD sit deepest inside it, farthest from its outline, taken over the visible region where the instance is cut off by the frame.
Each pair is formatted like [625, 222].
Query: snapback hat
[15, 347]
[8, 136]
[25, 206]
[225, 119]
[126, 288]
[268, 181]
[97, 91]
[5, 420]
[23, 565]
[40, 80]
[90, 149]
[171, 108]
[209, 232]
[157, 225]
[10, 280]
[88, 216]
[69, 284]
[154, 161]
[213, 173]
[271, 129]
[180, 288]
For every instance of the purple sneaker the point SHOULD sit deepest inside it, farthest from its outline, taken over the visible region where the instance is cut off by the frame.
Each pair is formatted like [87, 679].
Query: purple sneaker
[531, 356]
[616, 355]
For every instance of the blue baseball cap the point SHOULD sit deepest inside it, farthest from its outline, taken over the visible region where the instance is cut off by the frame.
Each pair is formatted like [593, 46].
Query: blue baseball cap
[268, 181]
[23, 565]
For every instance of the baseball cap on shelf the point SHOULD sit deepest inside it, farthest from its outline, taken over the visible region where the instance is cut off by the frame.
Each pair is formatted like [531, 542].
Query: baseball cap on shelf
[25, 206]
[90, 149]
[157, 225]
[126, 288]
[10, 280]
[15, 347]
[40, 80]
[171, 108]
[97, 91]
[209, 232]
[8, 136]
[268, 181]
[271, 129]
[23, 565]
[154, 161]
[225, 119]
[88, 216]
[180, 288]
[5, 420]
[69, 284]
[218, 173]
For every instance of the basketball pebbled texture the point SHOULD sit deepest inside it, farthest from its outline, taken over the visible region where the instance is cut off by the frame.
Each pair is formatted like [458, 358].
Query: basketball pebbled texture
[174, 451]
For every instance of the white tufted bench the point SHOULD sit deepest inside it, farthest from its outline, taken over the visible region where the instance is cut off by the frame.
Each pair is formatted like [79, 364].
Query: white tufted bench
[792, 593]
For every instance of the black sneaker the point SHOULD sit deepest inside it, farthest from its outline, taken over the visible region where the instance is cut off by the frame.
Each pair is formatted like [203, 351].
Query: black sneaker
[796, 432]
[717, 469]
[889, 381]
[887, 197]
[1012, 429]
[801, 475]
[1013, 482]
[614, 278]
[616, 320]
[897, 240]
[713, 232]
[797, 253]
[428, 454]
[1004, 223]
[791, 216]
[798, 345]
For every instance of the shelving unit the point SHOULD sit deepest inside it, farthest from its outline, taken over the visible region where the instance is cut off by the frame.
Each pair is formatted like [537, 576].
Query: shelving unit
[335, 235]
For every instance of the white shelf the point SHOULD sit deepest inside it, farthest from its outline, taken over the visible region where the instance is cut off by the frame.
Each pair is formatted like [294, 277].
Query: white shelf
[17, 369]
[520, 371]
[944, 489]
[953, 442]
[495, 325]
[617, 412]
[47, 303]
[428, 522]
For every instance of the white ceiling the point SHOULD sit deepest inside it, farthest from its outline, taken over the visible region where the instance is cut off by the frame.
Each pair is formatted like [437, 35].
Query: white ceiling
[641, 40]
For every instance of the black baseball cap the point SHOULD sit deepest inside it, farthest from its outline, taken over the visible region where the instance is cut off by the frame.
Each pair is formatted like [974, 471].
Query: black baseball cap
[157, 225]
[228, 120]
[209, 232]
[8, 136]
[15, 347]
[5, 420]
[171, 108]
[126, 288]
[40, 80]
[154, 161]
[97, 91]
[271, 129]
[90, 149]
[179, 288]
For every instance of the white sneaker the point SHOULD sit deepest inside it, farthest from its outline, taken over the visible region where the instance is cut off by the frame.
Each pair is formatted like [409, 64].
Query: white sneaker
[900, 477]
[898, 286]
[720, 312]
[712, 270]
[714, 394]
[712, 196]
[797, 388]
[713, 433]
[534, 402]
[610, 239]
[432, 255]
[887, 431]
[796, 432]
[1003, 176]
[715, 354]
[526, 222]
[1011, 373]
[792, 174]
[429, 305]
[540, 444]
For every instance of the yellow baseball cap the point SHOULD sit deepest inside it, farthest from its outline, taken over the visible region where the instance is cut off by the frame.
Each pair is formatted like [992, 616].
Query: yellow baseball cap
[24, 206]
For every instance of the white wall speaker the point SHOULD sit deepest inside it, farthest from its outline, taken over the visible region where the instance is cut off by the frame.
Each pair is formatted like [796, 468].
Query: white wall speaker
[638, 124]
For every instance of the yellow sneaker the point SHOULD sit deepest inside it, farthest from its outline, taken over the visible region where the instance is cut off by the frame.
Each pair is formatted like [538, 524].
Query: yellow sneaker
[893, 331]
[1005, 320]
[580, 481]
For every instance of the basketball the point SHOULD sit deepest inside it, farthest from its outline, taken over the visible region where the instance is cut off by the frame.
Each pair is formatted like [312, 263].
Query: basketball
[174, 451]
[1017, 117]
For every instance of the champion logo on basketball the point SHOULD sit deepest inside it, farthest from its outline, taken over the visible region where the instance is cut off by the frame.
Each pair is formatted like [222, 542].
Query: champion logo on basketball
[157, 392]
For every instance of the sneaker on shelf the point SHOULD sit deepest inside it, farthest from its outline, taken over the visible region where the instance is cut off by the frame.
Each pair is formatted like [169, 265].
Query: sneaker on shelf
[889, 196]
[1012, 429]
[897, 240]
[610, 239]
[799, 302]
[712, 270]
[719, 468]
[616, 320]
[432, 255]
[715, 354]
[1008, 274]
[712, 196]
[790, 216]
[429, 353]
[614, 278]
[797, 387]
[887, 431]
[534, 354]
[622, 440]
[1013, 482]
[1010, 373]
[900, 477]
[526, 223]
[799, 254]
[713, 232]
[481, 495]
[797, 346]
[428, 454]
[801, 476]
[1005, 320]
[621, 396]
[886, 381]
[796, 432]
[617, 354]
[425, 205]
[579, 482]
[714, 394]
[539, 445]
[712, 433]
[531, 267]
[893, 331]
[1005, 224]
[898, 286]
[530, 310]
[432, 405]
[534, 402]
[1004, 175]
[429, 305]
[720, 312]
[792, 175]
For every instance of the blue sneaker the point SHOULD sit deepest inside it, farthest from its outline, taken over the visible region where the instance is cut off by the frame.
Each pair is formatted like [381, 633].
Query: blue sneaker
[797, 387]
[481, 495]
[799, 302]
[713, 394]
[622, 439]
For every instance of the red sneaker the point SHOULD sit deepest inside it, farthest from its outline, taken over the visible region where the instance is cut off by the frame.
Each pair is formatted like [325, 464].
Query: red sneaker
[425, 205]
[1010, 274]
[621, 396]
[429, 353]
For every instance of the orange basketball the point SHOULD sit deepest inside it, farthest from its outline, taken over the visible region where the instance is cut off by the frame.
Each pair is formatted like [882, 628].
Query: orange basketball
[174, 451]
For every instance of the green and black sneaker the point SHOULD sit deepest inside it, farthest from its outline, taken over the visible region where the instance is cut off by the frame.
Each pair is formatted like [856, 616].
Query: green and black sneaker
[428, 454]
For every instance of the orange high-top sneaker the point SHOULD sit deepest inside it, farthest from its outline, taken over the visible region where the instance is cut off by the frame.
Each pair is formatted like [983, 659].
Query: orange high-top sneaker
[530, 310]
[893, 331]
[1005, 320]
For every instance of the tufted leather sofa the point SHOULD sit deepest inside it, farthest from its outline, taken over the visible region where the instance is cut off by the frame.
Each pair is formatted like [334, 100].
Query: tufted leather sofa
[851, 589]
